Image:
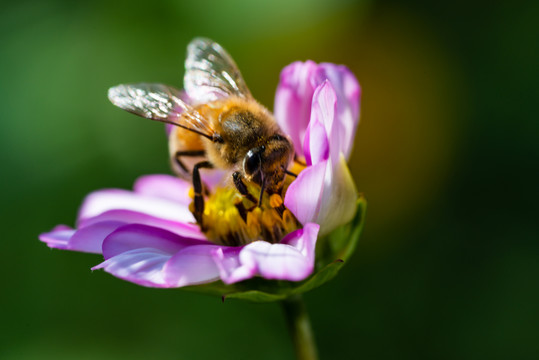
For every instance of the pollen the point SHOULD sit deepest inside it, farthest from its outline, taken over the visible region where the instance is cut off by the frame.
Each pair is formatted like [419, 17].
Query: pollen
[233, 220]
[275, 200]
[230, 219]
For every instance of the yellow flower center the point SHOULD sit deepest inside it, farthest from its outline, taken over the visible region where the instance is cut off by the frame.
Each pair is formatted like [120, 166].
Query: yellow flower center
[231, 219]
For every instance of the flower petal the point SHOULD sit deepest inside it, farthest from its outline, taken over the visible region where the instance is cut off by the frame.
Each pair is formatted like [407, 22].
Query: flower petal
[231, 270]
[344, 82]
[92, 231]
[303, 197]
[293, 259]
[294, 98]
[90, 239]
[87, 239]
[192, 265]
[339, 197]
[324, 194]
[58, 237]
[136, 236]
[138, 253]
[140, 266]
[101, 201]
[165, 187]
[348, 93]
[327, 177]
[304, 241]
[317, 146]
[188, 230]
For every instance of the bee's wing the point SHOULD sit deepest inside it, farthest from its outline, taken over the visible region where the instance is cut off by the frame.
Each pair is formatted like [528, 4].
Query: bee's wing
[211, 73]
[162, 103]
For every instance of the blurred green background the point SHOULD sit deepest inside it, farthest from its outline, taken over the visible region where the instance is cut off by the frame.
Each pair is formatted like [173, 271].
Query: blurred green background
[447, 154]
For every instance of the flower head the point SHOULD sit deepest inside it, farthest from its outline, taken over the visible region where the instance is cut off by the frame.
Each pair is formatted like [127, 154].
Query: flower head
[149, 236]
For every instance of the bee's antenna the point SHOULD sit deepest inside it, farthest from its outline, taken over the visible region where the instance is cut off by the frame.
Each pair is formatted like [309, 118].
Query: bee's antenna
[290, 173]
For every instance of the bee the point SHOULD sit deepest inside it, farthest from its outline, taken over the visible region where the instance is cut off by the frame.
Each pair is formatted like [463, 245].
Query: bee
[218, 124]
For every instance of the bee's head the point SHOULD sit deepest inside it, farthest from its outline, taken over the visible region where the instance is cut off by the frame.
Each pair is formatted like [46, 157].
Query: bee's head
[267, 163]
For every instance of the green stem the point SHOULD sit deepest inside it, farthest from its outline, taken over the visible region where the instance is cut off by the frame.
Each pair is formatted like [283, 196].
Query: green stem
[299, 326]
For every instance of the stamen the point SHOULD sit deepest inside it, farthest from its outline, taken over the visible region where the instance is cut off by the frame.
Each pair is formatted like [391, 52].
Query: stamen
[231, 219]
[275, 200]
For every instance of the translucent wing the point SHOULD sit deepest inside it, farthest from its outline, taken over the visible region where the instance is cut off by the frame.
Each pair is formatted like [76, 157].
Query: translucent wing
[211, 73]
[162, 103]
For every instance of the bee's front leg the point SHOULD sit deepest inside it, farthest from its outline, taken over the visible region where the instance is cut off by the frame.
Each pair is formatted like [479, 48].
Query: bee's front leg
[238, 182]
[187, 153]
[197, 187]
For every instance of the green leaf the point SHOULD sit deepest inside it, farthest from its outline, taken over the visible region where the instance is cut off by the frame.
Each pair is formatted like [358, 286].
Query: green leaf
[332, 251]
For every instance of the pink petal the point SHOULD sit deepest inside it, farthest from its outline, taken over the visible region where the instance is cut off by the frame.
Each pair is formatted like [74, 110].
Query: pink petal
[293, 259]
[325, 194]
[188, 230]
[345, 83]
[91, 233]
[58, 237]
[294, 95]
[338, 197]
[304, 241]
[165, 187]
[192, 265]
[135, 236]
[348, 94]
[215, 177]
[87, 239]
[317, 147]
[101, 201]
[90, 239]
[304, 196]
[140, 266]
[231, 270]
[139, 253]
[293, 100]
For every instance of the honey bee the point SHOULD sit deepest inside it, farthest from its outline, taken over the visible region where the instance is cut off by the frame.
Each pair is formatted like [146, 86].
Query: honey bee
[218, 123]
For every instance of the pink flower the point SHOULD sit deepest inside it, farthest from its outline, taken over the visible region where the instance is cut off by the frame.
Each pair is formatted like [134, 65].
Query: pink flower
[318, 106]
[149, 237]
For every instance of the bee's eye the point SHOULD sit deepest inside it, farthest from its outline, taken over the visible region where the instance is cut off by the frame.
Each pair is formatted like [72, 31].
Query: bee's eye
[251, 162]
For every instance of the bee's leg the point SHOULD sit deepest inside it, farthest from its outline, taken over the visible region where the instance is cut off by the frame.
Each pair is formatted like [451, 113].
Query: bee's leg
[262, 189]
[290, 173]
[193, 153]
[197, 187]
[238, 182]
[242, 211]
